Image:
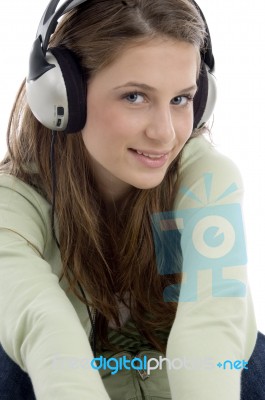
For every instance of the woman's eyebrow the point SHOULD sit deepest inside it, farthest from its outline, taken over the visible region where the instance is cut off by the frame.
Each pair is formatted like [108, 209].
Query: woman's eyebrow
[144, 86]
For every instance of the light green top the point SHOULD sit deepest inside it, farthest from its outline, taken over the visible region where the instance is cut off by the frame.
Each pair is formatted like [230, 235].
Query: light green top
[44, 328]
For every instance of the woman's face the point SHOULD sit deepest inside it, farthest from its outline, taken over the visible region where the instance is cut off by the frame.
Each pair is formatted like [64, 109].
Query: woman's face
[140, 115]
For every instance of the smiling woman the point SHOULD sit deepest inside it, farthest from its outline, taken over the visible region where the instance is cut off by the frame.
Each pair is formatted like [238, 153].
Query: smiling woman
[132, 137]
[106, 175]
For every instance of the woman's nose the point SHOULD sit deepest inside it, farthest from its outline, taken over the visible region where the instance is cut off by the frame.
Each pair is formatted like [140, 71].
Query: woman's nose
[160, 126]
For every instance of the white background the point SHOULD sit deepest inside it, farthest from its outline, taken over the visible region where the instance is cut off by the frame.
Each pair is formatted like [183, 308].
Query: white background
[238, 35]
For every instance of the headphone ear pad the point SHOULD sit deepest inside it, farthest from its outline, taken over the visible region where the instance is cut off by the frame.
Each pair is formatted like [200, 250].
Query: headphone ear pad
[205, 98]
[76, 88]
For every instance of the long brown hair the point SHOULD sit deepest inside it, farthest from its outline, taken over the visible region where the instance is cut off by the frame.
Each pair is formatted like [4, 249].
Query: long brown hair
[109, 255]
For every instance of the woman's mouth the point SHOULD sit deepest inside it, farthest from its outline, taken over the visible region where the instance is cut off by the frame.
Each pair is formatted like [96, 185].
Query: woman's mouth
[151, 159]
[150, 155]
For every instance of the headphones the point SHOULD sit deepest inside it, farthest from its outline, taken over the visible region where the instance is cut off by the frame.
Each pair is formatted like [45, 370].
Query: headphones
[56, 86]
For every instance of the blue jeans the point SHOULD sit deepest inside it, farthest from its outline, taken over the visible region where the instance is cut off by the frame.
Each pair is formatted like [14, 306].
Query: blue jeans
[15, 384]
[253, 378]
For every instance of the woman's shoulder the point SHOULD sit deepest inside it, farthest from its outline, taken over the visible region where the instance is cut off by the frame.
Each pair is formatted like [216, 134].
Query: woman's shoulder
[12, 186]
[200, 155]
[23, 210]
[207, 176]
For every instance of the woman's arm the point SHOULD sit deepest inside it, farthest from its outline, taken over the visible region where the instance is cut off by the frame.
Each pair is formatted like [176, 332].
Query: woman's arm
[215, 319]
[39, 329]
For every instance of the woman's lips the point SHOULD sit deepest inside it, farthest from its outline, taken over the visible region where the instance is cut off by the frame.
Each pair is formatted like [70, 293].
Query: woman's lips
[150, 155]
[150, 158]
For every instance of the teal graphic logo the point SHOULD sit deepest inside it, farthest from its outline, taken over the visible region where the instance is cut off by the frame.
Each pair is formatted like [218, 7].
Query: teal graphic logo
[209, 237]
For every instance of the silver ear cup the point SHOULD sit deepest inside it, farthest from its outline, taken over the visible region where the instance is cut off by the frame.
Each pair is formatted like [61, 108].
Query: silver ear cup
[211, 99]
[47, 97]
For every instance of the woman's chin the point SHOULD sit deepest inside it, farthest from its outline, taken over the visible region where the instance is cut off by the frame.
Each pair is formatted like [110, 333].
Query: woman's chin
[148, 184]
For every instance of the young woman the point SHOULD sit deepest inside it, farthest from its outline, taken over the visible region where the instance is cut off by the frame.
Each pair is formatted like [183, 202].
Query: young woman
[110, 196]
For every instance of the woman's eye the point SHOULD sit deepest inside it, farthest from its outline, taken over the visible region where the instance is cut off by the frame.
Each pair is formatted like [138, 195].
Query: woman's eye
[134, 98]
[181, 100]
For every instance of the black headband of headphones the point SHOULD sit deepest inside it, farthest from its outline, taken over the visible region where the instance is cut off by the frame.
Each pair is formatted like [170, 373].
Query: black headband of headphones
[207, 52]
[38, 64]
[56, 85]
[49, 21]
